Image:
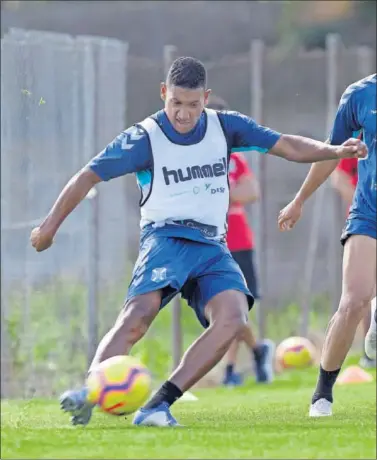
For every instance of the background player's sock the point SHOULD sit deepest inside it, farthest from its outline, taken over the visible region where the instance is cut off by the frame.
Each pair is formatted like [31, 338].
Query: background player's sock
[168, 393]
[229, 371]
[258, 353]
[325, 385]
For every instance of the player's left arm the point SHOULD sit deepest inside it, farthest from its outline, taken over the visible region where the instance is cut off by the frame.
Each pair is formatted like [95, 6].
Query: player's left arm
[345, 124]
[245, 132]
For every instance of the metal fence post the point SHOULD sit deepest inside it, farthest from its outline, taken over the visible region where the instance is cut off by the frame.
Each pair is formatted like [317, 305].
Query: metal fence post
[334, 252]
[93, 247]
[90, 138]
[305, 302]
[258, 163]
[366, 59]
[170, 53]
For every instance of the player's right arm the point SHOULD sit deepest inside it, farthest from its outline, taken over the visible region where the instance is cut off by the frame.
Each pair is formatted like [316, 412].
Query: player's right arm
[345, 124]
[244, 133]
[317, 175]
[72, 194]
[127, 153]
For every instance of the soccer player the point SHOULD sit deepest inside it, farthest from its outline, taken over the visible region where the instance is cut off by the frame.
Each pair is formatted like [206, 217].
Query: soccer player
[344, 180]
[357, 111]
[180, 158]
[244, 188]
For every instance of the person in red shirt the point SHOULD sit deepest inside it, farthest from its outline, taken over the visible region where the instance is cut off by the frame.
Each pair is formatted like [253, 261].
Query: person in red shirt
[244, 189]
[344, 180]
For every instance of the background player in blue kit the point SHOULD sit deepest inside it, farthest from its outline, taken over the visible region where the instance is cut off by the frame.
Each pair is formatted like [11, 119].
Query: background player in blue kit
[180, 158]
[357, 111]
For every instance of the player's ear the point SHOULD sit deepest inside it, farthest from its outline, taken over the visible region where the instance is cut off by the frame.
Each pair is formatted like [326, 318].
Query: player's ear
[163, 91]
[207, 93]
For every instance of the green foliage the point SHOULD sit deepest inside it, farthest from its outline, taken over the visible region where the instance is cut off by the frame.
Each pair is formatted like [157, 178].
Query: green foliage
[292, 34]
[48, 347]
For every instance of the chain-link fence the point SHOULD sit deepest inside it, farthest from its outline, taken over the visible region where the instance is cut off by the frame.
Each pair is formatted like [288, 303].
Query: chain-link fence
[63, 100]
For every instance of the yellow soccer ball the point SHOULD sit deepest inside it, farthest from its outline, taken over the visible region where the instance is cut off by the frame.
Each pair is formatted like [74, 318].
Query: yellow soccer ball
[120, 385]
[295, 353]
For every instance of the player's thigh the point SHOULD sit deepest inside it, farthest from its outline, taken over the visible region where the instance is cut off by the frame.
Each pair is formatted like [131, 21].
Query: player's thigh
[139, 312]
[220, 274]
[359, 268]
[229, 306]
[160, 267]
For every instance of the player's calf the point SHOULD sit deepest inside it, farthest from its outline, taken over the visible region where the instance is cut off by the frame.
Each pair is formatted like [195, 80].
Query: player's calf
[357, 292]
[339, 337]
[131, 325]
[227, 315]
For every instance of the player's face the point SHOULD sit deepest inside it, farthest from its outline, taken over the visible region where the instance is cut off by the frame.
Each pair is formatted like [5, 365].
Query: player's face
[184, 106]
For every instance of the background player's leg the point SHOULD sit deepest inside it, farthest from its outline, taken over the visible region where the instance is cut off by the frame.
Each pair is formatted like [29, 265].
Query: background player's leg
[359, 278]
[131, 325]
[231, 377]
[249, 338]
[262, 353]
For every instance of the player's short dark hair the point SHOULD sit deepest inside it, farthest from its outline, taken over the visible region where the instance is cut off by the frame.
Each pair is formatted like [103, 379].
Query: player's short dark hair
[217, 103]
[187, 72]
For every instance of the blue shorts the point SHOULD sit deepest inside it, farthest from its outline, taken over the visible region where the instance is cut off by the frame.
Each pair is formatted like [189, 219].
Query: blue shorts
[198, 270]
[359, 225]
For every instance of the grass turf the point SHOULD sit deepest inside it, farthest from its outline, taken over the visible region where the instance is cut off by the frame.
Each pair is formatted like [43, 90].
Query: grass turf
[248, 422]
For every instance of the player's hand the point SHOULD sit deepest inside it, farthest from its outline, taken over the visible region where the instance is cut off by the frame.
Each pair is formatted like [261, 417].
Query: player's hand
[289, 215]
[352, 148]
[41, 239]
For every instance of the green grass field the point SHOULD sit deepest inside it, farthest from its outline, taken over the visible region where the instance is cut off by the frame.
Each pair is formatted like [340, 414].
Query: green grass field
[249, 422]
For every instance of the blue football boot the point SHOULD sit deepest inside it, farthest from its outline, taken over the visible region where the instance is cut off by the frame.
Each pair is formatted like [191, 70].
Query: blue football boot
[158, 416]
[75, 402]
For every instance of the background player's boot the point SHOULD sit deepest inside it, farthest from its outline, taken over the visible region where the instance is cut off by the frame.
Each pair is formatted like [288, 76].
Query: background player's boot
[234, 379]
[366, 362]
[75, 402]
[264, 362]
[371, 336]
[321, 408]
[158, 416]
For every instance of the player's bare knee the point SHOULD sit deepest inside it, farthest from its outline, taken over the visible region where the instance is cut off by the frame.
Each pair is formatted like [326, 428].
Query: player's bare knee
[229, 313]
[137, 315]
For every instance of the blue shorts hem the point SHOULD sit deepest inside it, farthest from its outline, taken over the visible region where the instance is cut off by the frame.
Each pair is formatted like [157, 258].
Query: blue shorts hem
[199, 307]
[356, 225]
[146, 289]
[199, 271]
